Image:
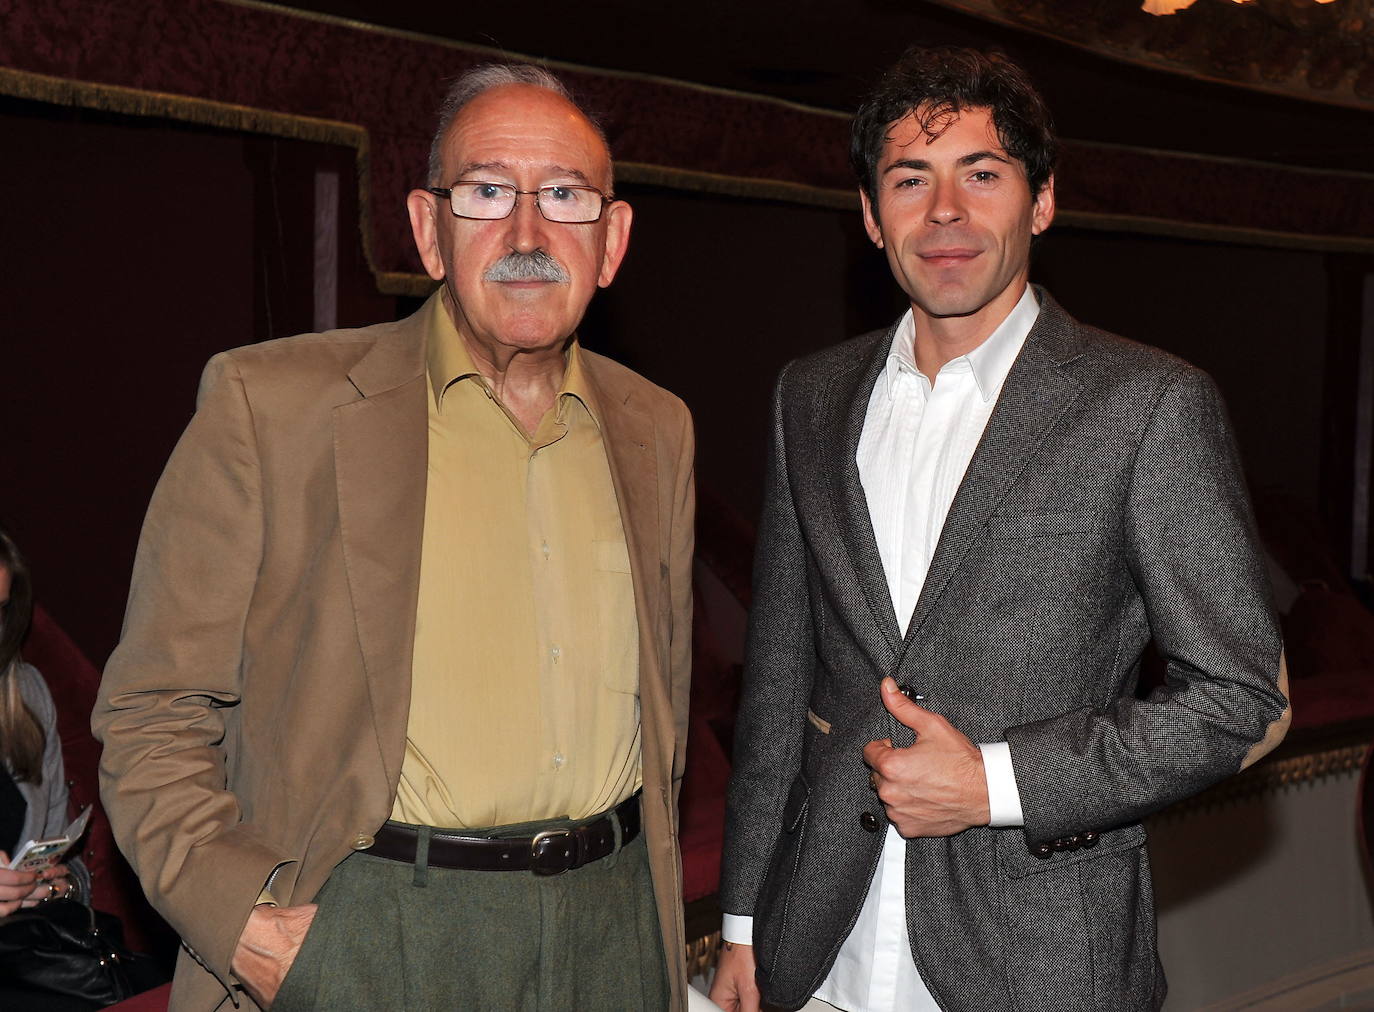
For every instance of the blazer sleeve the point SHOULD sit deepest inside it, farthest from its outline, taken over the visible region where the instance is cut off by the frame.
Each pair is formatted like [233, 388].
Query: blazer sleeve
[176, 675]
[1193, 554]
[779, 666]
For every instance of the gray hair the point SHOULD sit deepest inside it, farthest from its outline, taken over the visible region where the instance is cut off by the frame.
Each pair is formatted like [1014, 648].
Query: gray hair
[479, 79]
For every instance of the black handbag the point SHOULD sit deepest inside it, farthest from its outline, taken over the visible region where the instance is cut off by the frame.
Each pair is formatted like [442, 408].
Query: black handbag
[65, 947]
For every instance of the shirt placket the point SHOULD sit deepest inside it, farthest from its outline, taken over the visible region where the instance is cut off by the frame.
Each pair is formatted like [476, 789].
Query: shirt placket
[909, 399]
[547, 562]
[894, 983]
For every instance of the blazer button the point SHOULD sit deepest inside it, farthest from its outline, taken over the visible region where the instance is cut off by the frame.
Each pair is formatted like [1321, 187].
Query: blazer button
[911, 694]
[362, 841]
[869, 821]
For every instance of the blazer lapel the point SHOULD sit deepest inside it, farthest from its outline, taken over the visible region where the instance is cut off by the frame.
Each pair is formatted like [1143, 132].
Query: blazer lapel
[842, 415]
[381, 452]
[1035, 395]
[628, 434]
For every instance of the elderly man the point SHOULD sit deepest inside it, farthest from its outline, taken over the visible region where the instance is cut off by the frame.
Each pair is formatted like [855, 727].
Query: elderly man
[987, 509]
[397, 720]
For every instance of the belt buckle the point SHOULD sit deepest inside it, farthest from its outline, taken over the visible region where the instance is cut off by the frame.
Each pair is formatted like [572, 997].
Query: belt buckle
[565, 858]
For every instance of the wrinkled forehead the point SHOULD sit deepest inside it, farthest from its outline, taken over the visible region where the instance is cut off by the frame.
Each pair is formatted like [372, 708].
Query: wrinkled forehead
[530, 135]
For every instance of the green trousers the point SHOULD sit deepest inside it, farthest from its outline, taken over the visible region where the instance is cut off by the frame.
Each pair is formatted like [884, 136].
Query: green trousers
[400, 936]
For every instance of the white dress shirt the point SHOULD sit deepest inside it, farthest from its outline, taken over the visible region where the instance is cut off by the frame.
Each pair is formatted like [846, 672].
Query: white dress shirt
[917, 441]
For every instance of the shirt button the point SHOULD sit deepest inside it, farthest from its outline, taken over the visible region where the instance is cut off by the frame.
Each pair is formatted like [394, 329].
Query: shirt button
[545, 546]
[558, 760]
[556, 653]
[362, 841]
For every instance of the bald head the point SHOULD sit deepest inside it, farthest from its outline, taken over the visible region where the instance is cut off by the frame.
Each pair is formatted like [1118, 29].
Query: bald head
[521, 125]
[488, 77]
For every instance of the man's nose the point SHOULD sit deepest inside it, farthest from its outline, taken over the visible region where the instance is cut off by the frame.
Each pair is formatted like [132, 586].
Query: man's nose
[526, 226]
[947, 205]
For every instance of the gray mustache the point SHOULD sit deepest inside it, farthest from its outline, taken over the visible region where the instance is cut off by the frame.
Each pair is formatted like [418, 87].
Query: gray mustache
[536, 266]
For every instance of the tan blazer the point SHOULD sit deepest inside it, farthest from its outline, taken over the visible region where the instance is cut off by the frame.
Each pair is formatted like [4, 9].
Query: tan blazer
[254, 714]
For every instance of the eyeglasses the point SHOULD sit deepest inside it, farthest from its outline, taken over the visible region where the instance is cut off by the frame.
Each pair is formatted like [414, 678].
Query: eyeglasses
[565, 203]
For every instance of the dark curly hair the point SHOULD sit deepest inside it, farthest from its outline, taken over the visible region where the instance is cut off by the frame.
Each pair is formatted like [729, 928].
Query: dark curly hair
[941, 82]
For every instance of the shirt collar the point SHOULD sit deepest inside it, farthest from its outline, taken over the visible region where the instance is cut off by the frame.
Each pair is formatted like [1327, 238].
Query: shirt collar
[575, 382]
[448, 360]
[990, 362]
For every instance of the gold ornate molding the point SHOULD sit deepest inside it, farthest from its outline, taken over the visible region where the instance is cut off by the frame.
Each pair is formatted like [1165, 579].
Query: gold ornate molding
[1320, 51]
[1271, 776]
[702, 953]
[508, 55]
[738, 186]
[136, 102]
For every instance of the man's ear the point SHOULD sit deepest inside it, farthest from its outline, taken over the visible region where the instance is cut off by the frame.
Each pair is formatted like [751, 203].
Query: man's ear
[875, 232]
[1042, 208]
[424, 226]
[619, 215]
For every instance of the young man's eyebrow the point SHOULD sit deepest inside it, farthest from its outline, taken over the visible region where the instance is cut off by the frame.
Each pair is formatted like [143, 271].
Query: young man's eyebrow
[914, 164]
[983, 156]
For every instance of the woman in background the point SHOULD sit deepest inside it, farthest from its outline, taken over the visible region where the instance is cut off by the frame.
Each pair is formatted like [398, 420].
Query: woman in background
[33, 784]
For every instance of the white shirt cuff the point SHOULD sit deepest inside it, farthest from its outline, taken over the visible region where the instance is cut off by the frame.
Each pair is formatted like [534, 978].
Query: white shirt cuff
[737, 928]
[1004, 800]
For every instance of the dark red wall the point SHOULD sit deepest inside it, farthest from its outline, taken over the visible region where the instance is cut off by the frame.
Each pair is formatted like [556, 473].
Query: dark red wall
[133, 250]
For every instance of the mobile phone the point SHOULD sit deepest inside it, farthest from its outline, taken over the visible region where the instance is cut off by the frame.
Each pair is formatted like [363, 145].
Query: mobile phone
[37, 855]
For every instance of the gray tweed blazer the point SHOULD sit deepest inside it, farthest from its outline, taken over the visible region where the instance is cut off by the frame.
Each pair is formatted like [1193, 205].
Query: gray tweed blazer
[1104, 507]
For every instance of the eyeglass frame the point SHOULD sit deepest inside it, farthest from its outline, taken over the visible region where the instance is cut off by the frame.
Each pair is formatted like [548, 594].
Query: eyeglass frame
[447, 193]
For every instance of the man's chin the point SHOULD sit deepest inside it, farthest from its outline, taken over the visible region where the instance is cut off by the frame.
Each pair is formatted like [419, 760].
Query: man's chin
[952, 303]
[951, 309]
[534, 340]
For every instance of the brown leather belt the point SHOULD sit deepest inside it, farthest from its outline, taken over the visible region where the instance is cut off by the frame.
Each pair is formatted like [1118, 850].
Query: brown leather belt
[548, 853]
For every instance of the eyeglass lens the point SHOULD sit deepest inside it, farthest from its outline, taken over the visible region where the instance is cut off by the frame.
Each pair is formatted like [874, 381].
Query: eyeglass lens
[568, 204]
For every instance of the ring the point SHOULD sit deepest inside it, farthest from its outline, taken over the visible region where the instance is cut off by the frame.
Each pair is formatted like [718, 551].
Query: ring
[873, 780]
[52, 893]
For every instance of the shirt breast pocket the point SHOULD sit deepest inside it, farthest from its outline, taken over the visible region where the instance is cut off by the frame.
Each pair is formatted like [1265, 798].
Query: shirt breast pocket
[617, 625]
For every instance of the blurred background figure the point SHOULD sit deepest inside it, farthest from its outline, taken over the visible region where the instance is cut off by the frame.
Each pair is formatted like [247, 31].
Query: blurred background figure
[33, 782]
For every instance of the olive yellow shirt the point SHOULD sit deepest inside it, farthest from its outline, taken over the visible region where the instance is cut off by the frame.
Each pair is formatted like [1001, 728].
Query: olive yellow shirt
[524, 688]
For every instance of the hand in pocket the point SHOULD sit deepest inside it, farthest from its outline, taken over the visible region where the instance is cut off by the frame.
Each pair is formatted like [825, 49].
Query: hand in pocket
[267, 948]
